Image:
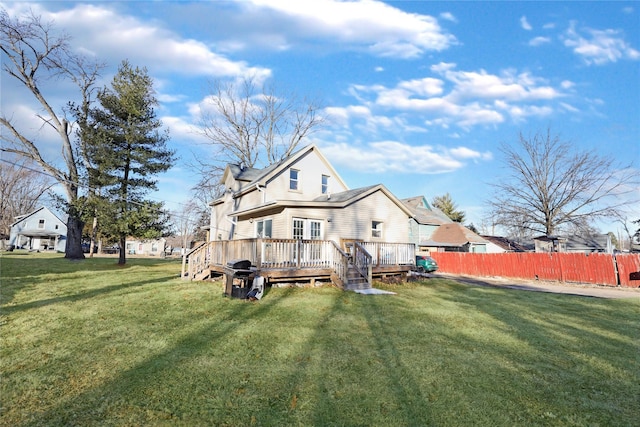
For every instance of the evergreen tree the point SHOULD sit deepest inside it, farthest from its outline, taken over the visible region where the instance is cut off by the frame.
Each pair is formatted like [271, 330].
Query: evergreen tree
[127, 151]
[448, 207]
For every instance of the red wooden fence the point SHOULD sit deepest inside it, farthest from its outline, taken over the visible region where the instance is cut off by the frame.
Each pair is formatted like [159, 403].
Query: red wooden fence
[602, 269]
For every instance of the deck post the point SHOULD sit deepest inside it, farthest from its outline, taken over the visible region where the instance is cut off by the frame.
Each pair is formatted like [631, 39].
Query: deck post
[258, 259]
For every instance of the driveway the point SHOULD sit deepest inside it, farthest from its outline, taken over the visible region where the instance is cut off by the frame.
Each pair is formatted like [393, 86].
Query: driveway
[586, 290]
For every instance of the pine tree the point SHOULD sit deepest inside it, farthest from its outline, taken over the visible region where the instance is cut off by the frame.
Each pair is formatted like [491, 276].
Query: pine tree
[127, 151]
[448, 207]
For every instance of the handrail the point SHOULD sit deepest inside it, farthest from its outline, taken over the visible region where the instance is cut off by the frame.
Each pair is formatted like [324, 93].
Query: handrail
[340, 264]
[198, 260]
[362, 261]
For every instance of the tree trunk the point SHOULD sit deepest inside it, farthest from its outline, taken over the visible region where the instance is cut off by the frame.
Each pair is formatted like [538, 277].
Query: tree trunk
[122, 259]
[73, 247]
[94, 234]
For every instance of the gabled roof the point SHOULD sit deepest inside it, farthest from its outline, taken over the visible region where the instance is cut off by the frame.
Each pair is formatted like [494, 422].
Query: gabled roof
[424, 213]
[506, 244]
[253, 176]
[336, 200]
[453, 234]
[23, 217]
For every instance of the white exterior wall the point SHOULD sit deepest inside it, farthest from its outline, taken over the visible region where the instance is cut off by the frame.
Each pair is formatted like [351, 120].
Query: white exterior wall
[31, 226]
[355, 220]
[311, 168]
[146, 247]
[492, 248]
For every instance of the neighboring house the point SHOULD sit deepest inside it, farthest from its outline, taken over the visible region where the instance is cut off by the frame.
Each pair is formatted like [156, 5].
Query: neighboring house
[146, 246]
[599, 243]
[498, 244]
[303, 197]
[433, 231]
[40, 230]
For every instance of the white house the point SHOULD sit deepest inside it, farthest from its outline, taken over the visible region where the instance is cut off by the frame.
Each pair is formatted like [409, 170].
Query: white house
[152, 247]
[303, 197]
[40, 230]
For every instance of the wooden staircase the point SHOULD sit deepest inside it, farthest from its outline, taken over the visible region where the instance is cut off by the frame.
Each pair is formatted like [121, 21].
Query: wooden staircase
[355, 280]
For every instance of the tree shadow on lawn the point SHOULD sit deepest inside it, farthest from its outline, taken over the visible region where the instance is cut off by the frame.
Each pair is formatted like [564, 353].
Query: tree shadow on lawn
[309, 377]
[10, 309]
[20, 272]
[571, 353]
[135, 396]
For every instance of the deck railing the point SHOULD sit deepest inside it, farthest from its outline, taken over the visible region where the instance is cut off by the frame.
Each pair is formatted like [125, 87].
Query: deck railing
[362, 261]
[390, 253]
[298, 254]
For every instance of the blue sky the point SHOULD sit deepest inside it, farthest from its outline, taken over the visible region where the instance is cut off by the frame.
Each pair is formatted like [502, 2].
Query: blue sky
[418, 95]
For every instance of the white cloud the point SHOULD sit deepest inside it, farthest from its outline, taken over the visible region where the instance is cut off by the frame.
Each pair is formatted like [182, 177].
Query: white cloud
[508, 86]
[567, 84]
[463, 98]
[99, 31]
[393, 156]
[537, 41]
[373, 25]
[599, 46]
[525, 24]
[448, 16]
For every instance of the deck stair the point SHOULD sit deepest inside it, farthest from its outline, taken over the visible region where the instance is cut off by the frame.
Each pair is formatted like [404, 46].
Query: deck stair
[355, 280]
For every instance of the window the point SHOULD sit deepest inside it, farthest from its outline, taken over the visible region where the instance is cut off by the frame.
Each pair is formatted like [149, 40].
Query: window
[41, 223]
[293, 179]
[376, 229]
[154, 247]
[263, 228]
[325, 184]
[298, 229]
[56, 227]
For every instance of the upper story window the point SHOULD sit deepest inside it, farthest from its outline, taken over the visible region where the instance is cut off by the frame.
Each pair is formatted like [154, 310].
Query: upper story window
[41, 223]
[294, 179]
[325, 184]
[376, 228]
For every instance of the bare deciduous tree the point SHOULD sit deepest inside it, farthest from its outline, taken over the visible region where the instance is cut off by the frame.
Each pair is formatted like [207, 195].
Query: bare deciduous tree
[552, 185]
[186, 223]
[21, 190]
[247, 125]
[34, 53]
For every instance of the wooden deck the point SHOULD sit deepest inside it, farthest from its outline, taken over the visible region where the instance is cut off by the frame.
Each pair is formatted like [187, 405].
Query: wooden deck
[289, 260]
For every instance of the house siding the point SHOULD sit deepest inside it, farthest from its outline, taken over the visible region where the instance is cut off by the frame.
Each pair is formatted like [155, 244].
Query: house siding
[354, 221]
[31, 233]
[311, 168]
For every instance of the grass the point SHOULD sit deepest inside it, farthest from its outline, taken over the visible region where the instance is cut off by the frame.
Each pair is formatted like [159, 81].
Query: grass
[91, 343]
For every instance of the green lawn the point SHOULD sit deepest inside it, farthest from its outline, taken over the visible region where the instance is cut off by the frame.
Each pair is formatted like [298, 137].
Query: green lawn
[92, 343]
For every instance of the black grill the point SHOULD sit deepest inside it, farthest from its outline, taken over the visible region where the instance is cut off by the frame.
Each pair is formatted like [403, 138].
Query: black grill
[239, 264]
[239, 275]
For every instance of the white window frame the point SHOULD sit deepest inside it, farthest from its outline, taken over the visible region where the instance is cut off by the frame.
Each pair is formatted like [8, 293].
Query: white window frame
[306, 226]
[303, 228]
[377, 229]
[294, 183]
[325, 184]
[41, 224]
[263, 222]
